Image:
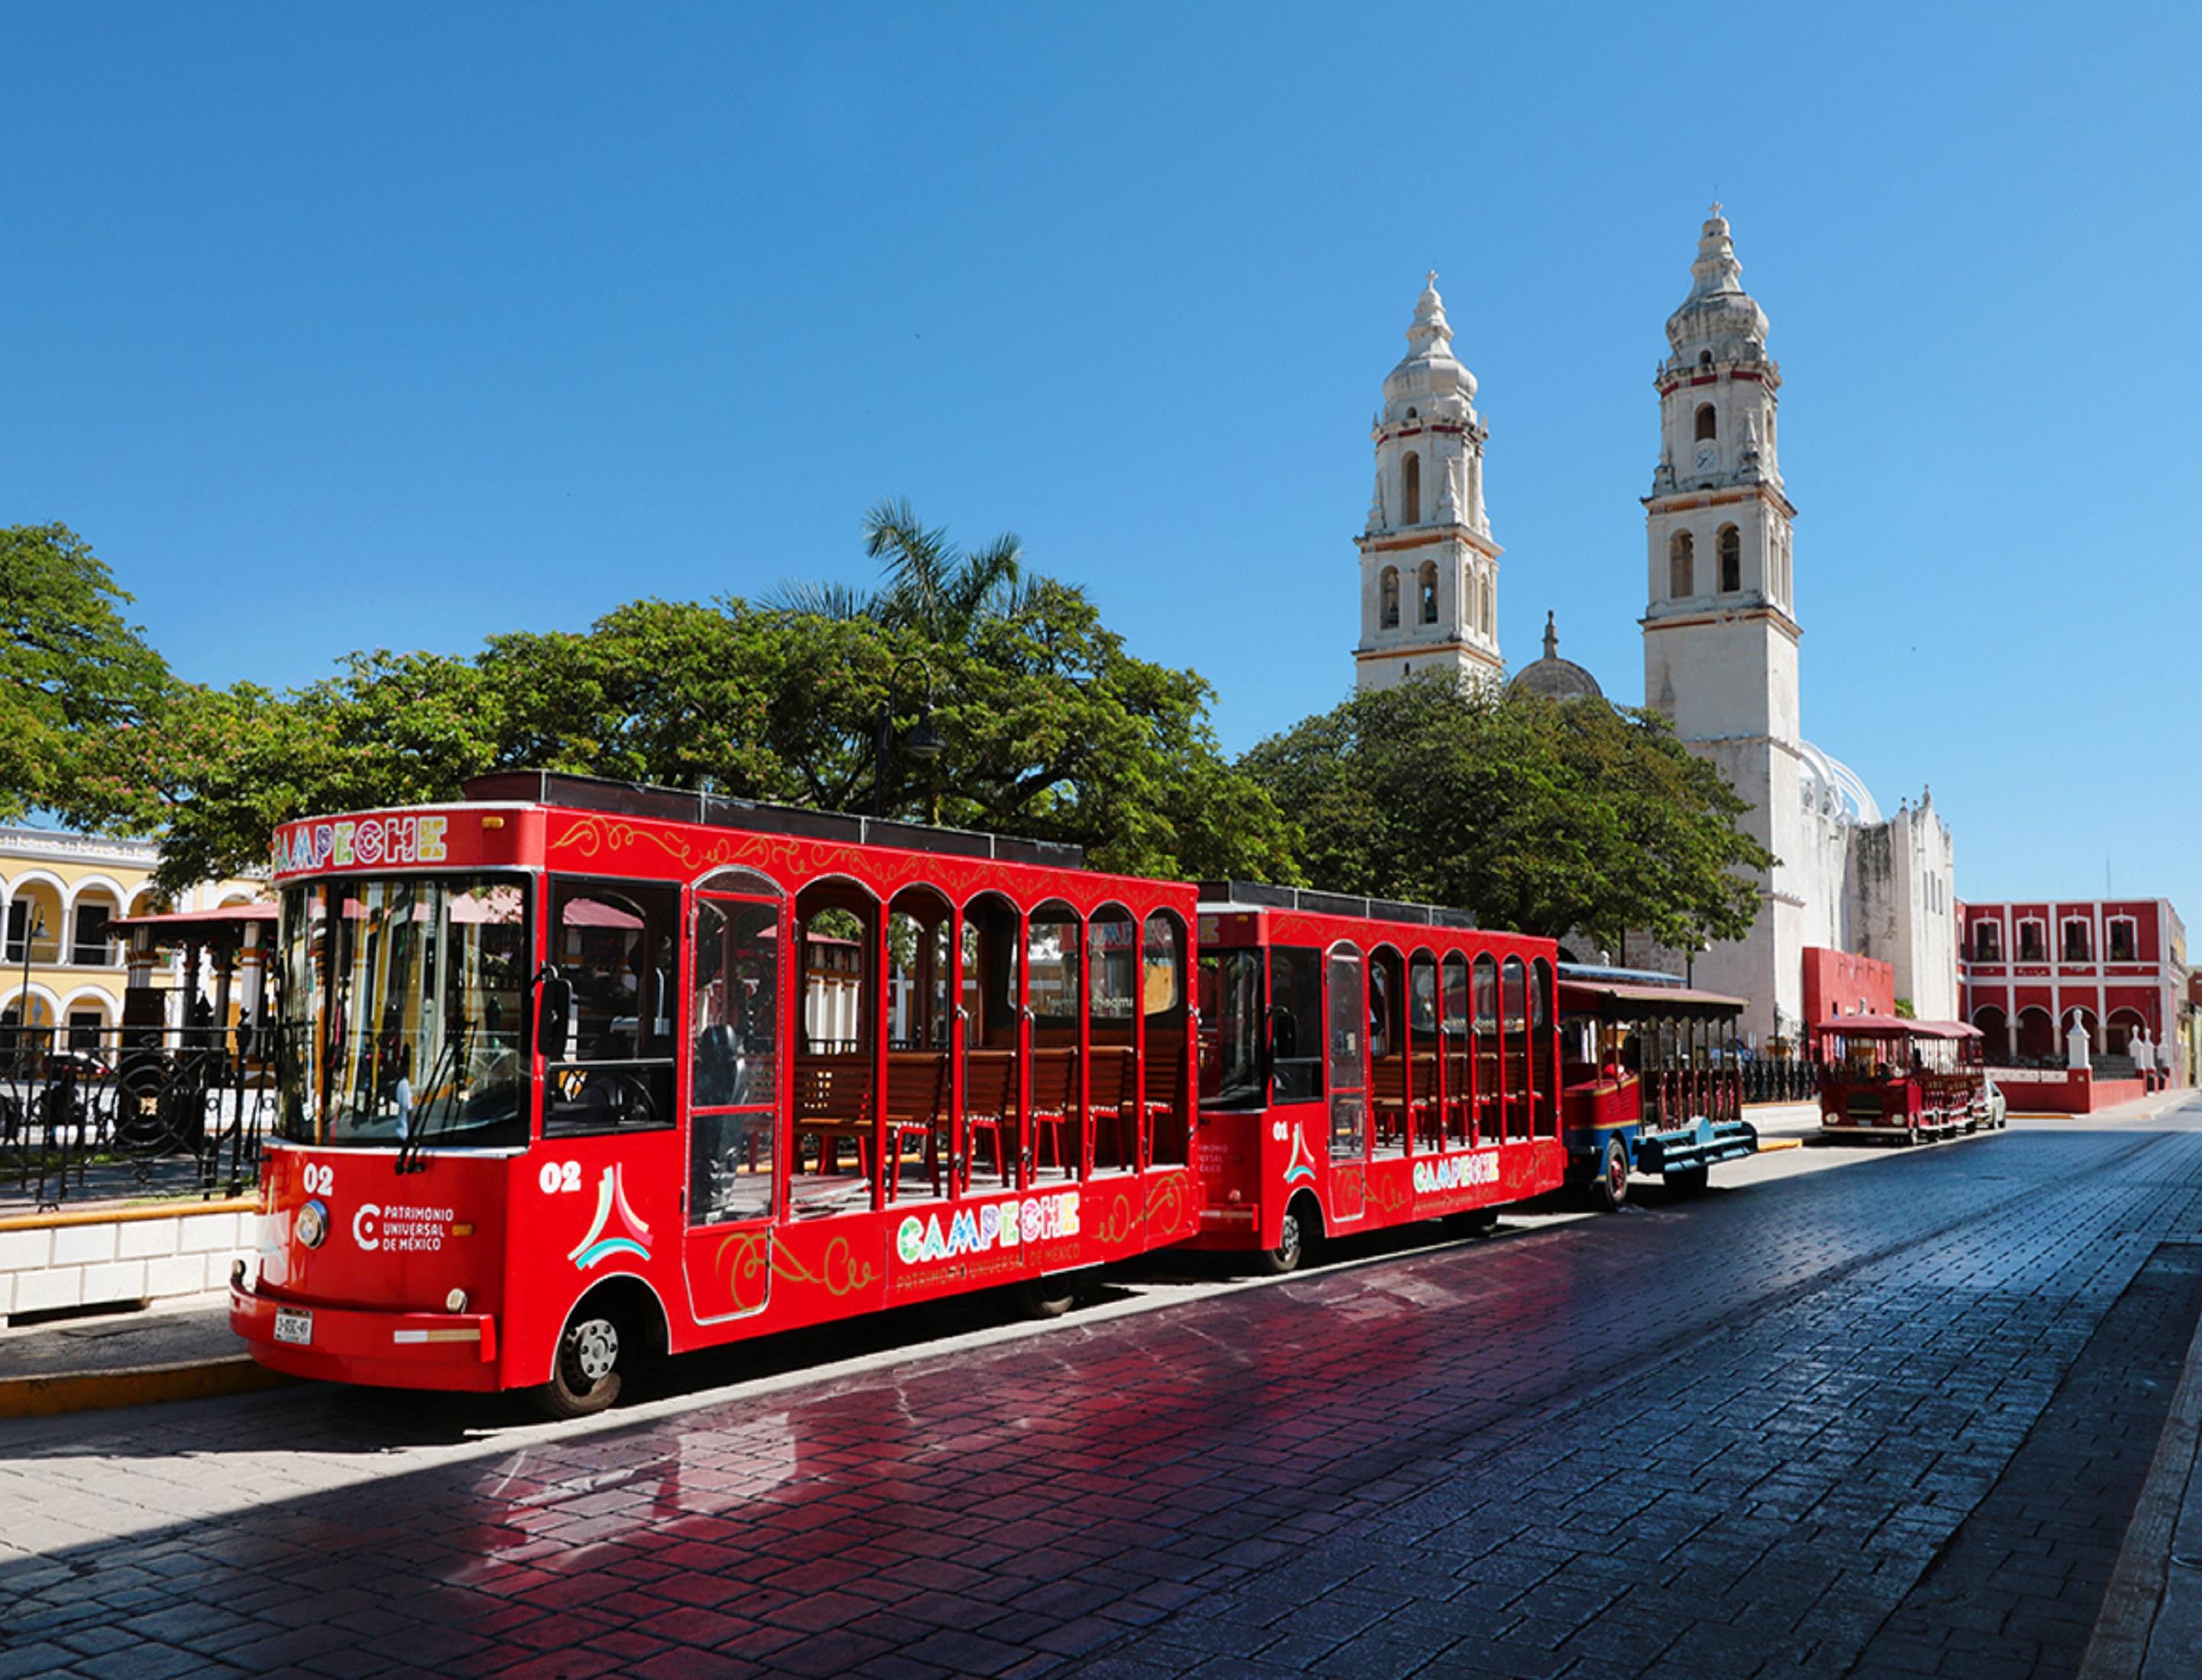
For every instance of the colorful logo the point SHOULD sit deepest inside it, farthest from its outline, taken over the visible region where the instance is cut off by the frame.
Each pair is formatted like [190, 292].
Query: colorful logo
[1457, 1172]
[997, 1225]
[1301, 1164]
[611, 1194]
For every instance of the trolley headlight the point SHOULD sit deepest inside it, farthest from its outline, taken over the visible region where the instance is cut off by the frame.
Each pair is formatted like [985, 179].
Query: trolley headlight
[313, 1223]
[456, 1301]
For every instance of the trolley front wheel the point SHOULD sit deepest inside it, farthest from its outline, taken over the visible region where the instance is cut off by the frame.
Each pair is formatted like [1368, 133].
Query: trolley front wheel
[587, 1375]
[1291, 1249]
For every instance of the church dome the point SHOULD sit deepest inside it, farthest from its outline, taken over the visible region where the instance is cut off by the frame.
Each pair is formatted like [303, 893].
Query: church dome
[1553, 677]
[1719, 318]
[1428, 378]
[1834, 789]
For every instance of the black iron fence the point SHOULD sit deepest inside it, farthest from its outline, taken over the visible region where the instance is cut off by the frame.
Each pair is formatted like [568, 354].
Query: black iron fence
[1780, 1082]
[131, 1113]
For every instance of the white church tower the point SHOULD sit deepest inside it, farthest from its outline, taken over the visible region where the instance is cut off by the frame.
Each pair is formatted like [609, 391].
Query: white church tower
[1720, 633]
[1429, 571]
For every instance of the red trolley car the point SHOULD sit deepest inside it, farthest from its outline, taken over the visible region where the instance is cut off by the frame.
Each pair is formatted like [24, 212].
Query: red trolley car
[575, 1071]
[1907, 1081]
[1364, 1063]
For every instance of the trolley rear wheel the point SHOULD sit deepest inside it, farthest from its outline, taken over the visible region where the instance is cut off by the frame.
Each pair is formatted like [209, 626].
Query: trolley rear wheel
[1048, 1297]
[1611, 1189]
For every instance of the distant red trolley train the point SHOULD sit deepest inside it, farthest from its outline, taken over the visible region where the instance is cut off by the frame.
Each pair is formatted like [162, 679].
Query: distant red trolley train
[575, 1072]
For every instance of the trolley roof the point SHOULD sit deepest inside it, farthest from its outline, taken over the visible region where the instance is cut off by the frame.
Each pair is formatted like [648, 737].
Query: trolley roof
[1256, 895]
[1895, 1026]
[678, 804]
[1617, 998]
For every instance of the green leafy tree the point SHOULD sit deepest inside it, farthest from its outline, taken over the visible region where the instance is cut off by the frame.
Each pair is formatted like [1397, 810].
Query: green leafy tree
[1050, 728]
[75, 673]
[1546, 818]
[226, 765]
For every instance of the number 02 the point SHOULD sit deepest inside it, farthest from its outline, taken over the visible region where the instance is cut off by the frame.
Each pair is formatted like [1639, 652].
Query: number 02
[558, 1176]
[320, 1180]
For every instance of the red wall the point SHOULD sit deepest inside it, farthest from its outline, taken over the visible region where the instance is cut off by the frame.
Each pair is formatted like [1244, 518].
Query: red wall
[1834, 981]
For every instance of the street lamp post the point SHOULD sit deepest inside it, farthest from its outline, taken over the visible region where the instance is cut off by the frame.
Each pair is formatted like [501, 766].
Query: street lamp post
[34, 929]
[923, 742]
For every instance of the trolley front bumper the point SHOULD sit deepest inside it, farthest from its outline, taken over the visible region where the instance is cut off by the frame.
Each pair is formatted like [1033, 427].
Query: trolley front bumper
[1703, 1143]
[344, 1344]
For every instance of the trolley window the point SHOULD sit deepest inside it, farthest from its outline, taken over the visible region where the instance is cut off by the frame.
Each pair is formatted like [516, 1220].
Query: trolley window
[733, 1061]
[402, 1004]
[607, 1065]
[1296, 1024]
[1349, 1018]
[1230, 1029]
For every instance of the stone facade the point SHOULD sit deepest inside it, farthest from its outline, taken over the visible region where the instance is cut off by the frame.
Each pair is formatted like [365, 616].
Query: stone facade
[1720, 662]
[1721, 642]
[1429, 570]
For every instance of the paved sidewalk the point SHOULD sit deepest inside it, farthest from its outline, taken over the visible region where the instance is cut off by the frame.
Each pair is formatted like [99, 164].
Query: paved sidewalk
[171, 1351]
[194, 1330]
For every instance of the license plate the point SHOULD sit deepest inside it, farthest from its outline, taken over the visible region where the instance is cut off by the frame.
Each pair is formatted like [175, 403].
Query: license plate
[294, 1325]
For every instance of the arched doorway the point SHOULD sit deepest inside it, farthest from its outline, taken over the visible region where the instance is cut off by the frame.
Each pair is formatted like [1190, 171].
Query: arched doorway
[1995, 1031]
[2037, 1035]
[2123, 1026]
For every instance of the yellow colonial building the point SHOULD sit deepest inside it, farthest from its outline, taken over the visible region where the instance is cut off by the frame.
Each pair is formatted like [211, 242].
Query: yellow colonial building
[59, 892]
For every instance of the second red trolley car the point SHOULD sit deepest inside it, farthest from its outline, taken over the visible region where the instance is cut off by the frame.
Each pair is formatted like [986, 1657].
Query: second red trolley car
[1364, 1063]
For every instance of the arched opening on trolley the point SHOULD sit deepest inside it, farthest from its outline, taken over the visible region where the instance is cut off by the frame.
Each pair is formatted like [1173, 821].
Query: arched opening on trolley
[1459, 1056]
[993, 1003]
[1054, 976]
[921, 1011]
[834, 1145]
[1164, 1086]
[734, 1013]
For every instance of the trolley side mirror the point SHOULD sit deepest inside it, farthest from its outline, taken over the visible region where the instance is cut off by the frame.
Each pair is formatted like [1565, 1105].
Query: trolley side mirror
[556, 1015]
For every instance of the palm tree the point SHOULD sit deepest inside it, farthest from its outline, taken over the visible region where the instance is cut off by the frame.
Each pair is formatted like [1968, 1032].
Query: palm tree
[932, 587]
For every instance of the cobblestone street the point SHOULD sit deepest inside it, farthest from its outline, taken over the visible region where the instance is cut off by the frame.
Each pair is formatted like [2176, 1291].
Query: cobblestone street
[1887, 1415]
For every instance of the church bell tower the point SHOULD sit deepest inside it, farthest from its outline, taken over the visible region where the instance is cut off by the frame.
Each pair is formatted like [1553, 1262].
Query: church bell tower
[1429, 571]
[1720, 630]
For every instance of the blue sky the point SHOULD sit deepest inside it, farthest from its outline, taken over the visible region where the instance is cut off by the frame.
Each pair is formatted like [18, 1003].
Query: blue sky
[400, 326]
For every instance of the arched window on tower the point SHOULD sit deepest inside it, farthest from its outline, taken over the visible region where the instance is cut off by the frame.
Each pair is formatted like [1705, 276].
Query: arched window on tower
[1490, 608]
[1731, 559]
[1682, 566]
[1388, 609]
[1410, 489]
[1428, 591]
[1708, 422]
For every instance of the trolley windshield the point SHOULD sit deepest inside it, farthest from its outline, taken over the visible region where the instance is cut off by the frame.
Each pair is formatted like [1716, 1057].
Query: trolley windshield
[404, 1002]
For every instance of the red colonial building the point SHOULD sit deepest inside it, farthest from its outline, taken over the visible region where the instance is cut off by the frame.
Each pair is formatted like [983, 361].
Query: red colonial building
[2028, 968]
